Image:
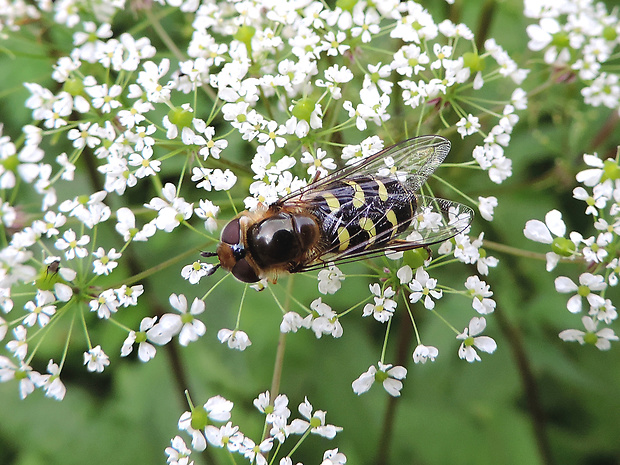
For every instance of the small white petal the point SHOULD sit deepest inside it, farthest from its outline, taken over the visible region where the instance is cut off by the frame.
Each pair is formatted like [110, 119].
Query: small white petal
[364, 382]
[392, 386]
[146, 351]
[397, 372]
[477, 325]
[603, 344]
[536, 230]
[607, 333]
[564, 284]
[572, 335]
[552, 260]
[555, 223]
[485, 344]
[589, 324]
[574, 304]
[63, 292]
[405, 274]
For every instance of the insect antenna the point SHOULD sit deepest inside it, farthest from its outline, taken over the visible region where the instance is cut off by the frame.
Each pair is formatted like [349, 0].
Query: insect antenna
[212, 270]
[214, 267]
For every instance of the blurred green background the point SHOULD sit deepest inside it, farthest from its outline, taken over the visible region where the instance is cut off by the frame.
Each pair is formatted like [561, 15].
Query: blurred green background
[537, 400]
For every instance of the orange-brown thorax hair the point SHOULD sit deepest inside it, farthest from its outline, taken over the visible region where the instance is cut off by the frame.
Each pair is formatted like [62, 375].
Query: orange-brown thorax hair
[246, 220]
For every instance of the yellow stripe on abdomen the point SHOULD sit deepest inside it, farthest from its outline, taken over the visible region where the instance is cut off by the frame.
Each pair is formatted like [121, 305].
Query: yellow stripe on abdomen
[344, 239]
[358, 196]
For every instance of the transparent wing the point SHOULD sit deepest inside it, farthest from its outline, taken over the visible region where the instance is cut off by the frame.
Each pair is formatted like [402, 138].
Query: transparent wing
[434, 221]
[411, 162]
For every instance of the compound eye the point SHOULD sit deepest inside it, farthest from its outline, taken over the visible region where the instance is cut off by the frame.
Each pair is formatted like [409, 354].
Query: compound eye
[244, 272]
[231, 234]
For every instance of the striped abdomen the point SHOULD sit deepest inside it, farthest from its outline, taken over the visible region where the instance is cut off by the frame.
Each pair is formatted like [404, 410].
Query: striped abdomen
[362, 212]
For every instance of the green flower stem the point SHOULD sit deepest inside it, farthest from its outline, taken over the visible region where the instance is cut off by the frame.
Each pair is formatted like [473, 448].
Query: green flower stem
[245, 290]
[281, 349]
[403, 353]
[279, 363]
[66, 348]
[467, 164]
[305, 307]
[214, 286]
[18, 320]
[46, 329]
[385, 340]
[443, 119]
[153, 21]
[163, 34]
[372, 276]
[608, 130]
[43, 331]
[3, 236]
[189, 400]
[232, 203]
[266, 103]
[486, 19]
[276, 300]
[230, 456]
[350, 309]
[448, 324]
[420, 119]
[530, 385]
[93, 244]
[302, 439]
[236, 167]
[458, 191]
[171, 153]
[484, 111]
[85, 327]
[441, 261]
[183, 170]
[277, 370]
[73, 159]
[163, 265]
[388, 133]
[91, 163]
[198, 231]
[80, 262]
[490, 245]
[406, 295]
[274, 454]
[120, 325]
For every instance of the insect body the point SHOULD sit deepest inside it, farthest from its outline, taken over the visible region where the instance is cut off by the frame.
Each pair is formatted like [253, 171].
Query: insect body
[362, 213]
[357, 212]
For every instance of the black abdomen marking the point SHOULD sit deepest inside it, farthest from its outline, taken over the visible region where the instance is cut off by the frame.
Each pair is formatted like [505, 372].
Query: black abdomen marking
[363, 212]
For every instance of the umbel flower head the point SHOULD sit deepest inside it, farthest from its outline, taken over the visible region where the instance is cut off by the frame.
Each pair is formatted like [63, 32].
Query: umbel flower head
[601, 339]
[472, 340]
[265, 99]
[146, 138]
[386, 374]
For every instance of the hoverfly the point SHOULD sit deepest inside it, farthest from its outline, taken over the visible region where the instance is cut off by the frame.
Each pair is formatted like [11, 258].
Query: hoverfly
[357, 212]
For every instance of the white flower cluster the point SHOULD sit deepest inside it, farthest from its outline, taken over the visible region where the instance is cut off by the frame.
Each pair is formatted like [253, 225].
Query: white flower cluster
[321, 319]
[280, 80]
[151, 331]
[419, 287]
[598, 252]
[200, 424]
[578, 39]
